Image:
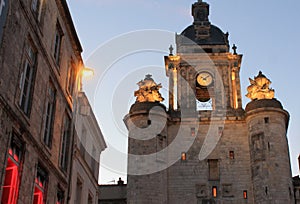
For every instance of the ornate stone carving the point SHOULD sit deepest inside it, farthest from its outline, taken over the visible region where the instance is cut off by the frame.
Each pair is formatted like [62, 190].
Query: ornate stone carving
[148, 91]
[260, 88]
[201, 191]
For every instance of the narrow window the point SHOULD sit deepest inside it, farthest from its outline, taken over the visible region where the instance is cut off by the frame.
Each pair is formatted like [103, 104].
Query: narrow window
[83, 141]
[245, 195]
[193, 132]
[231, 154]
[65, 142]
[78, 191]
[49, 117]
[93, 159]
[90, 199]
[57, 44]
[40, 186]
[213, 166]
[266, 120]
[12, 175]
[221, 131]
[214, 191]
[149, 122]
[60, 196]
[36, 7]
[27, 80]
[71, 79]
[266, 190]
[183, 156]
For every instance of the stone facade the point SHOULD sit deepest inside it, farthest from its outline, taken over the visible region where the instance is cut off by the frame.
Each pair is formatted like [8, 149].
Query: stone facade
[209, 149]
[40, 62]
[89, 143]
[296, 181]
[113, 194]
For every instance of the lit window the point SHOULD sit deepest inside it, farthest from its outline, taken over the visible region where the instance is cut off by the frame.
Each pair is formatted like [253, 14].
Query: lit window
[65, 141]
[12, 177]
[183, 156]
[49, 118]
[214, 191]
[245, 196]
[57, 44]
[40, 186]
[193, 132]
[231, 154]
[27, 80]
[60, 196]
[36, 6]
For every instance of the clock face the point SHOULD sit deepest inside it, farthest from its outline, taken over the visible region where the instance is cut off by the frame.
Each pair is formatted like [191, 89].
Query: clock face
[204, 79]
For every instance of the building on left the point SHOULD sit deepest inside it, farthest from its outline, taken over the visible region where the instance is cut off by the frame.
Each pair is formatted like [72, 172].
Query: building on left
[40, 86]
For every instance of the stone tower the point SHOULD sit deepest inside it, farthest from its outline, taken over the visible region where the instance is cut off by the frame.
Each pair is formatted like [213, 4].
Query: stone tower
[206, 148]
[147, 136]
[267, 124]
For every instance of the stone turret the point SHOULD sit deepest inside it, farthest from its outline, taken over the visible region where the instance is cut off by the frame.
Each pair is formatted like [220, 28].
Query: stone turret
[146, 124]
[267, 124]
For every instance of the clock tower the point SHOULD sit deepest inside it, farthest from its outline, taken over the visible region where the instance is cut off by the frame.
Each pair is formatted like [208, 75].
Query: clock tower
[204, 147]
[204, 74]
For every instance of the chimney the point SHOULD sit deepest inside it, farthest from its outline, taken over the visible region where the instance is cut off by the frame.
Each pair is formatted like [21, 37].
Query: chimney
[121, 182]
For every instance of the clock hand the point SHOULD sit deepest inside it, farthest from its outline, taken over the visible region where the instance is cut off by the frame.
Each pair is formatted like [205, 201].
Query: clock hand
[206, 77]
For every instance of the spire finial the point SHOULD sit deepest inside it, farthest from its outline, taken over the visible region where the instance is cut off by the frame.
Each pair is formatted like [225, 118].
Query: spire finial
[148, 76]
[171, 50]
[234, 47]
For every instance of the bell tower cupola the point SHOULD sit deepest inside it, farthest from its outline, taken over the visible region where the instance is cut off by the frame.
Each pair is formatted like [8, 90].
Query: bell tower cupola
[200, 12]
[202, 33]
[203, 73]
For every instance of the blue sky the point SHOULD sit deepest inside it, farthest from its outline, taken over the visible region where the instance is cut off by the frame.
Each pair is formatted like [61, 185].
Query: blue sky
[267, 33]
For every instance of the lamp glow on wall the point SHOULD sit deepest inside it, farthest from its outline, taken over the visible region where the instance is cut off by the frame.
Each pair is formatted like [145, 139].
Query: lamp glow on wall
[85, 73]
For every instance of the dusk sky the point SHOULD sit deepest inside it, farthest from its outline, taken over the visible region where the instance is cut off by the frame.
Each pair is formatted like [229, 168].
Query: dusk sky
[126, 39]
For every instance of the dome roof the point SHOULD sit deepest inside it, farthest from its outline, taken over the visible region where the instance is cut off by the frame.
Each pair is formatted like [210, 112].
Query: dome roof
[263, 103]
[145, 106]
[216, 37]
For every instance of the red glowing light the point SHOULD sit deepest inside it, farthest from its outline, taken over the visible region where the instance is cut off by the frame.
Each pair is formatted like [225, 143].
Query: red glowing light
[11, 183]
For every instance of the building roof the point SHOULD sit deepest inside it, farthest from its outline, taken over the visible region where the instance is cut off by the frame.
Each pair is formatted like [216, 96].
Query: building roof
[202, 32]
[263, 103]
[71, 24]
[112, 192]
[296, 181]
[216, 37]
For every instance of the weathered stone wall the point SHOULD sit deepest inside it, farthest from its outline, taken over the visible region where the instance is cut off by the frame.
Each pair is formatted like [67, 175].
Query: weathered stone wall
[270, 163]
[189, 182]
[144, 186]
[21, 29]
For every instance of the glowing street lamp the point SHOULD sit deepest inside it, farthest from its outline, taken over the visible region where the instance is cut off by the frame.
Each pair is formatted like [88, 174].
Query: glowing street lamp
[85, 73]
